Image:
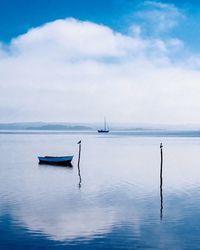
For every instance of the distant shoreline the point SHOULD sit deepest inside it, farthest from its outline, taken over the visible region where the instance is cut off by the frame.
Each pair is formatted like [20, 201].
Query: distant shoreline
[115, 129]
[132, 133]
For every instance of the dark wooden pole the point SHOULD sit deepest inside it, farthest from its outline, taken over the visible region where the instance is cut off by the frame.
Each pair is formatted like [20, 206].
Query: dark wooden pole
[79, 158]
[161, 181]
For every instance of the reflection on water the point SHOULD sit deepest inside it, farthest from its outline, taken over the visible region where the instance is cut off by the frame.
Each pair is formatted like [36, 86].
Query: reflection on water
[161, 181]
[54, 165]
[119, 203]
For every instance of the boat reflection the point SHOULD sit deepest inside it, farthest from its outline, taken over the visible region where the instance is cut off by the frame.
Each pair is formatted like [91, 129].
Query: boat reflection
[69, 165]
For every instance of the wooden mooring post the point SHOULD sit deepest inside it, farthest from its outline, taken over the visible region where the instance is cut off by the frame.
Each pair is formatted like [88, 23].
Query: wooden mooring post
[79, 158]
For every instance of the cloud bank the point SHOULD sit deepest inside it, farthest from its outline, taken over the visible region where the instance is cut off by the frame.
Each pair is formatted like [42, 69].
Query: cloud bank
[71, 70]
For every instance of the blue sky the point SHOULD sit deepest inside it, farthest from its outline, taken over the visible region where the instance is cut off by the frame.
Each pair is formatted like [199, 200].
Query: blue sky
[18, 16]
[134, 61]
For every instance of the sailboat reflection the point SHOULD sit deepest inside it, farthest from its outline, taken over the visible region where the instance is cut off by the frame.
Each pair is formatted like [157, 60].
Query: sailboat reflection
[79, 171]
[161, 181]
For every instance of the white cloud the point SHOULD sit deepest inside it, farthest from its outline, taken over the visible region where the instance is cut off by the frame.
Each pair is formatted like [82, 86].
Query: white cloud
[159, 17]
[69, 70]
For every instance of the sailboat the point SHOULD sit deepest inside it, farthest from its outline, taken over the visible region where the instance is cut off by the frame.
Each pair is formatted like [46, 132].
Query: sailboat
[105, 129]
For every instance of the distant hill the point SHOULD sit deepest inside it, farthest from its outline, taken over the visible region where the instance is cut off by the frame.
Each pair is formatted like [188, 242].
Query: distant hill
[59, 127]
[20, 125]
[137, 128]
[42, 126]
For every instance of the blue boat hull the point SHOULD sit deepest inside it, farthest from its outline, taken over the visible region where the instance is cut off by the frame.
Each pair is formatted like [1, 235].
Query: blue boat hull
[64, 160]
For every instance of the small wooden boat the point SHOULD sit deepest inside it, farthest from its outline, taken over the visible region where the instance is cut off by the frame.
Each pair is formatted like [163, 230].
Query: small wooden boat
[56, 160]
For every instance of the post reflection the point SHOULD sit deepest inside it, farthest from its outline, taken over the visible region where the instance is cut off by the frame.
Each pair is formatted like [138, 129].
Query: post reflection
[161, 181]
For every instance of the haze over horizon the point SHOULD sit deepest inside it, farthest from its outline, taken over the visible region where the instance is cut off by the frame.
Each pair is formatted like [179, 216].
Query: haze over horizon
[133, 61]
[96, 125]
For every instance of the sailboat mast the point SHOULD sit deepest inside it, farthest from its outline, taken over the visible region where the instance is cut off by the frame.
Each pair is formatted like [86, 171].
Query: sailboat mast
[105, 128]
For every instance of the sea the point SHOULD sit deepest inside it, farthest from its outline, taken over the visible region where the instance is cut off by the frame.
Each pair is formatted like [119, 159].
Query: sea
[120, 199]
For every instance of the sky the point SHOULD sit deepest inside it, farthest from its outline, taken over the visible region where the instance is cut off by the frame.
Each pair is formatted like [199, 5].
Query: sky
[78, 61]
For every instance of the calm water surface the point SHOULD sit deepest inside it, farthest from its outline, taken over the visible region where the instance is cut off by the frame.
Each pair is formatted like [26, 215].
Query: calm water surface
[119, 203]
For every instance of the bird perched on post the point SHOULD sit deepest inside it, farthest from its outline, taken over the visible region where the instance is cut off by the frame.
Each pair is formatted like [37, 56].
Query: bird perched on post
[79, 142]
